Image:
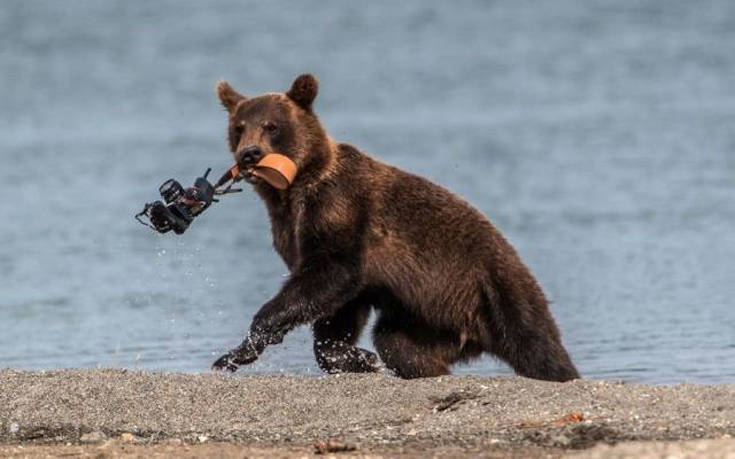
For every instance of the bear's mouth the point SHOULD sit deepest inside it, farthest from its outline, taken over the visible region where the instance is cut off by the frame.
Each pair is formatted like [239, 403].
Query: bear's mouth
[275, 169]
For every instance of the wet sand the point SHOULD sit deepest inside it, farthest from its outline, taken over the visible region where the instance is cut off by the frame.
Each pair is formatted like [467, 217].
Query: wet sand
[128, 413]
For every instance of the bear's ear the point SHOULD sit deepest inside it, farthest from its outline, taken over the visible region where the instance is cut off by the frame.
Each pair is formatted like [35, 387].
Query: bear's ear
[303, 90]
[228, 96]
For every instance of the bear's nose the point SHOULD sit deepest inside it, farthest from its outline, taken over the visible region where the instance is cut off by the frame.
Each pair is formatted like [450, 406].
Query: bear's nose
[249, 156]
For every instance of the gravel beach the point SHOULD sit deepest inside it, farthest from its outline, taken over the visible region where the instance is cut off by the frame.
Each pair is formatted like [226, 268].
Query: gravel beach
[130, 413]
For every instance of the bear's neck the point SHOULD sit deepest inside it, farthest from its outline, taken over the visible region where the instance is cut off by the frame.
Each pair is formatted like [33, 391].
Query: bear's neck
[287, 207]
[323, 165]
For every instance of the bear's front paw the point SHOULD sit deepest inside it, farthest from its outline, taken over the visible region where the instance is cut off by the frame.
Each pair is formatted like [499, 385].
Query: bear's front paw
[244, 354]
[226, 362]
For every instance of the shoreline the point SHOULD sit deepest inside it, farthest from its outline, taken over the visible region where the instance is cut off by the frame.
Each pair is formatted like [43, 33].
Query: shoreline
[120, 412]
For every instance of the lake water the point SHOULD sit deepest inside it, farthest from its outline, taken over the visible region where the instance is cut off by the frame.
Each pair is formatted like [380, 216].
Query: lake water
[598, 135]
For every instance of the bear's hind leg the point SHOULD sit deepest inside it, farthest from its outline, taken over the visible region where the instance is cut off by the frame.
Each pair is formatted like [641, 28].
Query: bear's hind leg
[412, 350]
[532, 347]
[335, 338]
[537, 357]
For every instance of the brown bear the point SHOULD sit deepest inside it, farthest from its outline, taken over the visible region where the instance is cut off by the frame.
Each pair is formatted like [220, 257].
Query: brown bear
[358, 234]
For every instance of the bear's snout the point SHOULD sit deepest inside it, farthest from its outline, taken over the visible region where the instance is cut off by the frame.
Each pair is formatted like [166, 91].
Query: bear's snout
[249, 156]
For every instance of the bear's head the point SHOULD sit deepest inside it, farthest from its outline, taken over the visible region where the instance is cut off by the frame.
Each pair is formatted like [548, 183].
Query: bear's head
[281, 123]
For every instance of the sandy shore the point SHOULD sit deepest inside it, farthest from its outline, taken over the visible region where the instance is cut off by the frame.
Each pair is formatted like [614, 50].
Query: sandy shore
[125, 413]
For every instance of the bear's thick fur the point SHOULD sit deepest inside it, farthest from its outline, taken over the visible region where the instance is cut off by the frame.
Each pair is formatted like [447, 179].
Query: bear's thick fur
[358, 234]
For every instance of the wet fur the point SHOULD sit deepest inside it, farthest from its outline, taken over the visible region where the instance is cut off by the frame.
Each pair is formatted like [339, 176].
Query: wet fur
[358, 234]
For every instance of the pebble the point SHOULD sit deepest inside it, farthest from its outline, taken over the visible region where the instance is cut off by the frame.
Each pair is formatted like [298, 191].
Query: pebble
[128, 437]
[93, 437]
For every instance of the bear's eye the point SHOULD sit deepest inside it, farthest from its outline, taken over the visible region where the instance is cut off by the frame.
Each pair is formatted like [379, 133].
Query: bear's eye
[238, 130]
[270, 127]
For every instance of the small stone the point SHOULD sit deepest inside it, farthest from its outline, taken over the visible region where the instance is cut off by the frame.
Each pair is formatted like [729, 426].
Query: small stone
[93, 437]
[202, 438]
[110, 442]
[13, 428]
[128, 437]
[561, 440]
